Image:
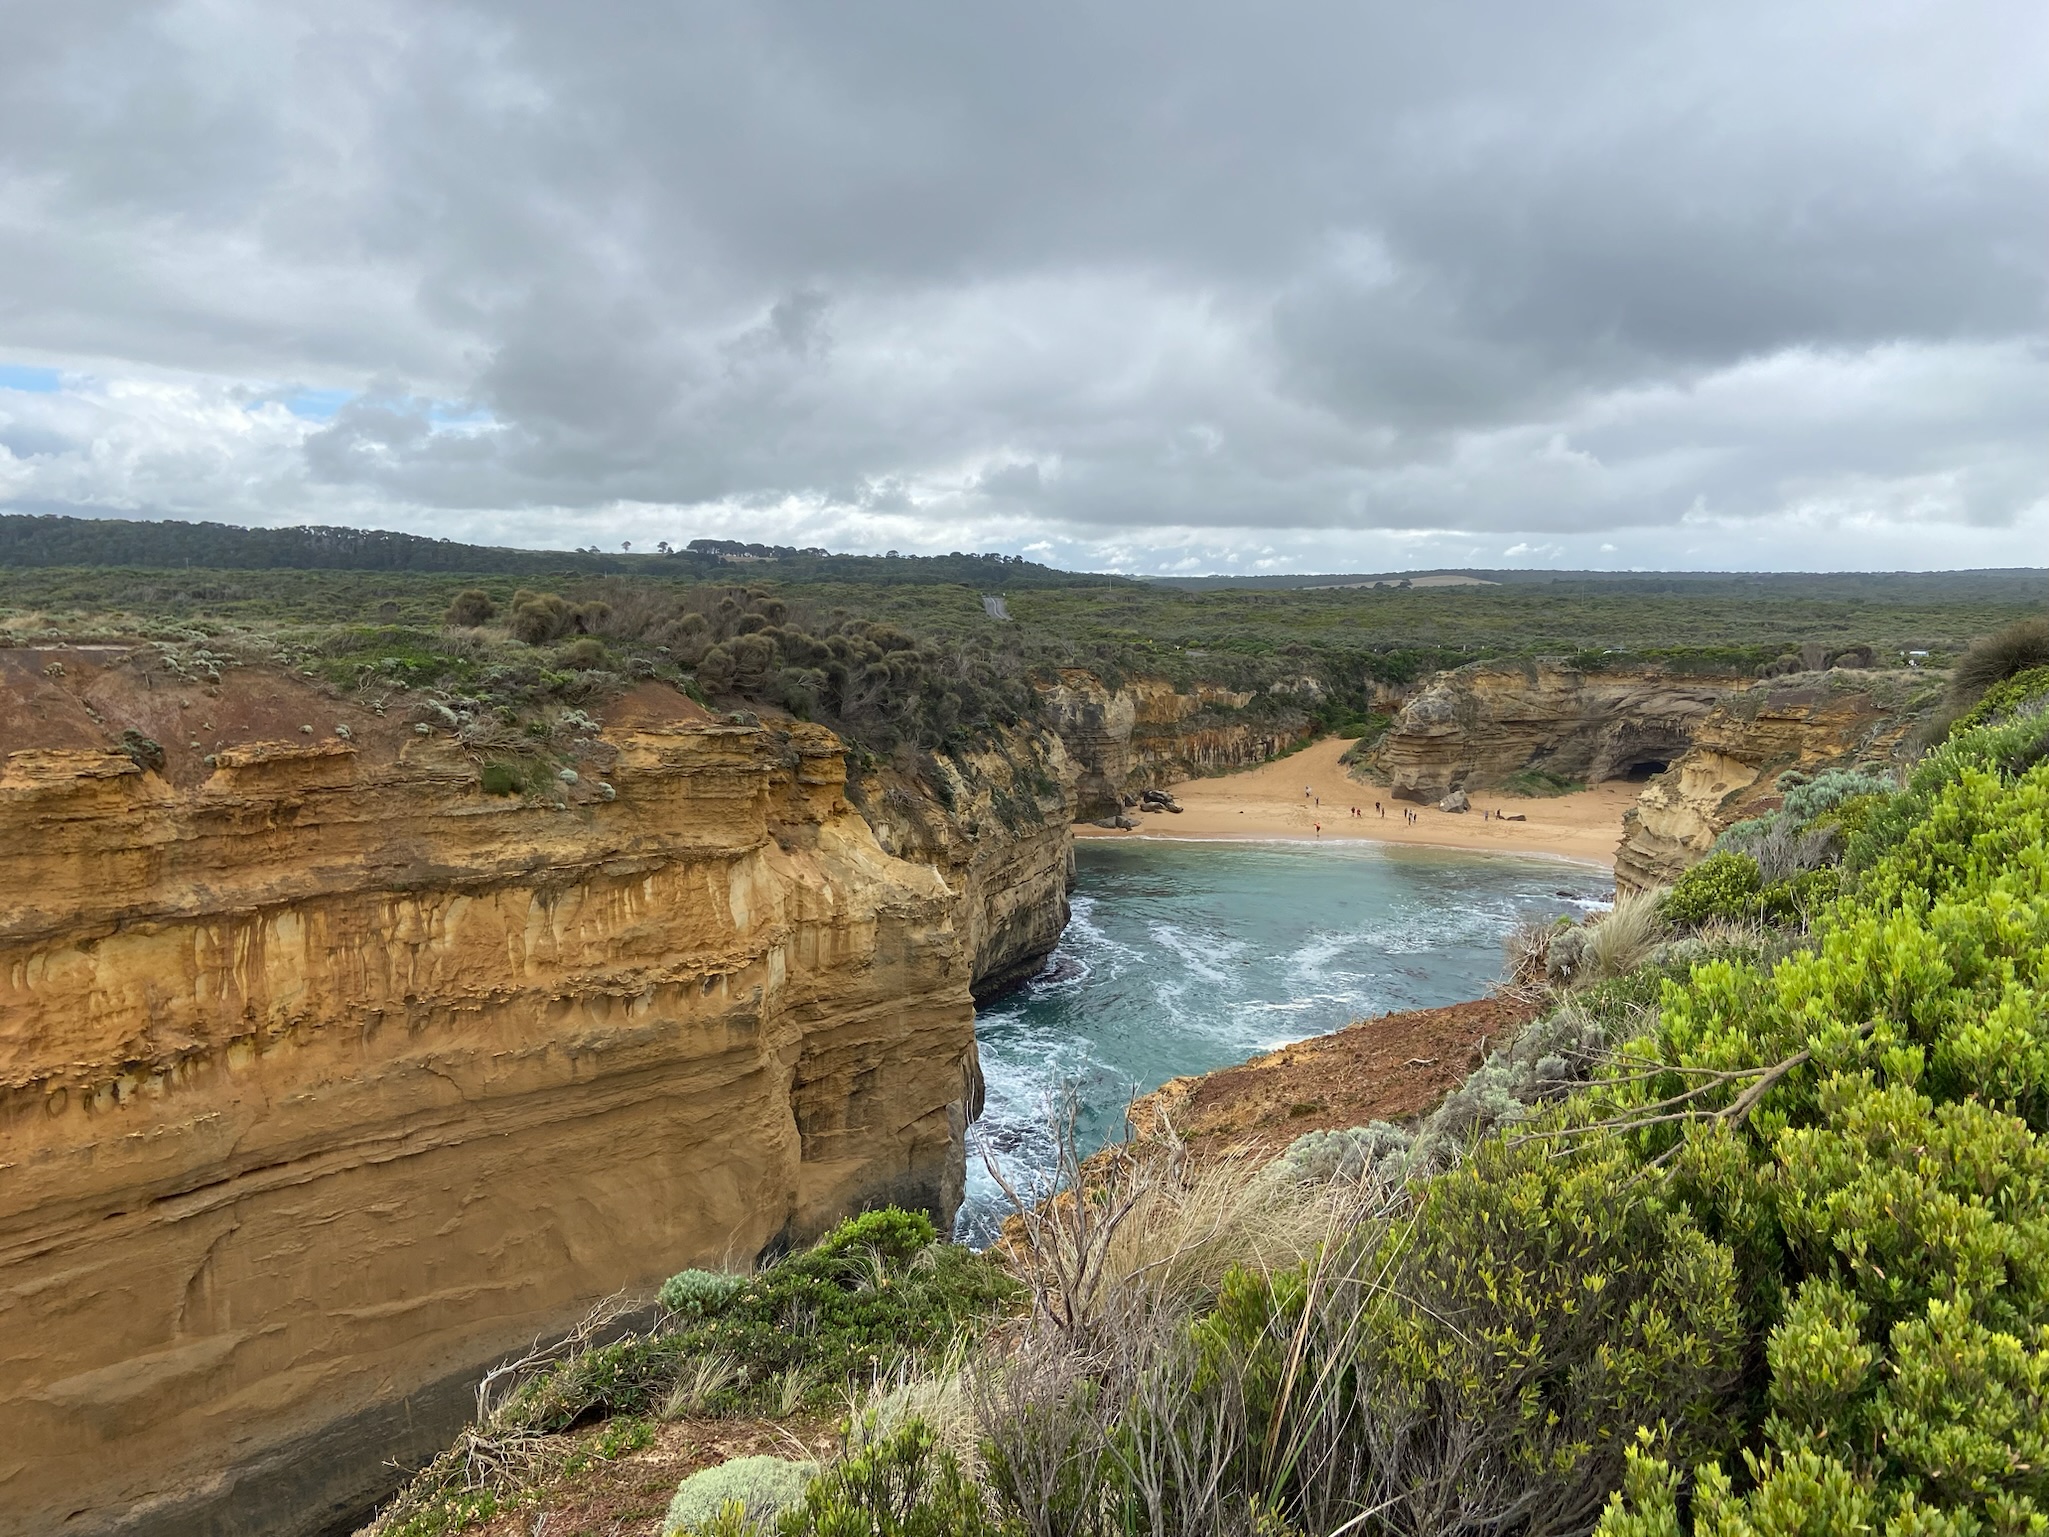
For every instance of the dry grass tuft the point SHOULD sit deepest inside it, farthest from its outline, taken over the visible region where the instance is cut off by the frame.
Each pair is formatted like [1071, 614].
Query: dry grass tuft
[1621, 939]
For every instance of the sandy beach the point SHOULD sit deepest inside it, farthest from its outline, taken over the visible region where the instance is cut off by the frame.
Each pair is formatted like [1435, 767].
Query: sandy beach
[1268, 802]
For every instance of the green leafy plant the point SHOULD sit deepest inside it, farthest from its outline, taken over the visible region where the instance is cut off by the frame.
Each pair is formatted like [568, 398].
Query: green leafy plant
[903, 1484]
[1723, 885]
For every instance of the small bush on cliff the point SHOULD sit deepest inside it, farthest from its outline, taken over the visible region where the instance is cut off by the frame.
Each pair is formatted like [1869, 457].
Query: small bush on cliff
[1723, 885]
[700, 1293]
[743, 1494]
[872, 1295]
[902, 1484]
[1532, 782]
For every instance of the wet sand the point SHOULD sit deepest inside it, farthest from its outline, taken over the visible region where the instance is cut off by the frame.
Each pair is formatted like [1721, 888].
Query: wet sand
[1268, 802]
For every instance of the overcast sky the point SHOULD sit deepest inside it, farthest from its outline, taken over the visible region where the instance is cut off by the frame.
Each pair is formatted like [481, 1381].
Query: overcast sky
[1144, 286]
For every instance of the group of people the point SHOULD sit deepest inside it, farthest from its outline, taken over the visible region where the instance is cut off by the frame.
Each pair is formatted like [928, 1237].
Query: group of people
[1408, 816]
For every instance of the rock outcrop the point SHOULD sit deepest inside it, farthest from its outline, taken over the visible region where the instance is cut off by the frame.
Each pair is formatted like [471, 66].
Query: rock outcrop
[1477, 725]
[1146, 733]
[328, 1078]
[1808, 721]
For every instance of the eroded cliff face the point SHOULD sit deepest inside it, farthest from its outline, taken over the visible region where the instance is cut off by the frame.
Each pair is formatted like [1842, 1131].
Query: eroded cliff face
[998, 823]
[1475, 726]
[1809, 721]
[1146, 733]
[328, 1079]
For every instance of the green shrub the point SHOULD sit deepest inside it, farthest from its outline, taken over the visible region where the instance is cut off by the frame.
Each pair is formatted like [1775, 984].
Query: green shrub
[147, 752]
[497, 777]
[875, 1294]
[2007, 698]
[472, 606]
[1798, 897]
[1478, 1355]
[904, 1484]
[1724, 885]
[700, 1293]
[760, 1488]
[1886, 1198]
[584, 654]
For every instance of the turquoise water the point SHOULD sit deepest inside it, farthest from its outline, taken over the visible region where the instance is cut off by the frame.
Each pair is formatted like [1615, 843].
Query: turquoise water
[1184, 957]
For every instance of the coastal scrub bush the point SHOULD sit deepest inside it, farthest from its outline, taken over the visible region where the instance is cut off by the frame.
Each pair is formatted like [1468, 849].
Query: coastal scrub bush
[470, 607]
[1534, 782]
[1874, 1149]
[747, 1491]
[699, 1293]
[2025, 692]
[868, 1298]
[1460, 1370]
[1378, 1152]
[1726, 884]
[903, 1484]
[2017, 648]
[498, 777]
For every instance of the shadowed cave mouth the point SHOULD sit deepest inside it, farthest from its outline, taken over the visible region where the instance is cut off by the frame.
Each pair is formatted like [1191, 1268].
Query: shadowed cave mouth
[1645, 768]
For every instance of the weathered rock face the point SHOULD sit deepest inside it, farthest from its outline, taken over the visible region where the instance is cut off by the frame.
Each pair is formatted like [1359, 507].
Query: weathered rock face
[1477, 725]
[1146, 733]
[1807, 721]
[999, 825]
[328, 1079]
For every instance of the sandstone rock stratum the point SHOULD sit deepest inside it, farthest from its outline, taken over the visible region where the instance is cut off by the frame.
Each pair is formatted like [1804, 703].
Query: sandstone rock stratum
[328, 1079]
[1810, 721]
[1145, 733]
[1473, 727]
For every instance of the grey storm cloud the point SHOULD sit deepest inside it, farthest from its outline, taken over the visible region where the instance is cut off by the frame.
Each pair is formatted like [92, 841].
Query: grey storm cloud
[1142, 283]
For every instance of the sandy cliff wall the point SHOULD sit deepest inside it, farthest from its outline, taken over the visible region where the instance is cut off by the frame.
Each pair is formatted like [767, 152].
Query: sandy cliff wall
[1809, 721]
[1146, 733]
[1474, 726]
[326, 1079]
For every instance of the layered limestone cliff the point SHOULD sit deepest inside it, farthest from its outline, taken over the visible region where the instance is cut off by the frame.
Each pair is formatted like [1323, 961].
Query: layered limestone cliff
[1146, 733]
[328, 1079]
[1811, 721]
[1475, 726]
[998, 822]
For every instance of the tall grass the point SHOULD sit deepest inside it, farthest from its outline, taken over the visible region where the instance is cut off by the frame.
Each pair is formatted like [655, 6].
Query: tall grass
[1621, 939]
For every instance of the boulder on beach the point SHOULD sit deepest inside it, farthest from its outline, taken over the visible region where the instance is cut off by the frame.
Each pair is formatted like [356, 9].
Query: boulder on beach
[1456, 801]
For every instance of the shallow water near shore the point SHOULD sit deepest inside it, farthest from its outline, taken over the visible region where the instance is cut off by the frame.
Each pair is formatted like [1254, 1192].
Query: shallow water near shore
[1185, 957]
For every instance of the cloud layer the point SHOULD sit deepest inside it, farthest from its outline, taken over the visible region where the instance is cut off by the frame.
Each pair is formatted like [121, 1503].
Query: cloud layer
[1195, 286]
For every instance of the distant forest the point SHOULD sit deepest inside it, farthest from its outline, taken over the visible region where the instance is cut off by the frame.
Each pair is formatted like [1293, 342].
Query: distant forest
[28, 540]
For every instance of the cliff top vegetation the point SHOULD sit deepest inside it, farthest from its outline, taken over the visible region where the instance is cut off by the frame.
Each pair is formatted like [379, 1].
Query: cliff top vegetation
[904, 652]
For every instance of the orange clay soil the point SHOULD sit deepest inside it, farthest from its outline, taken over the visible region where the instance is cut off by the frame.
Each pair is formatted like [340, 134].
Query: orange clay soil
[1383, 1069]
[1269, 802]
